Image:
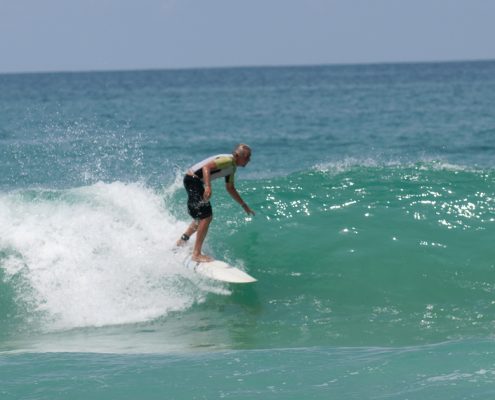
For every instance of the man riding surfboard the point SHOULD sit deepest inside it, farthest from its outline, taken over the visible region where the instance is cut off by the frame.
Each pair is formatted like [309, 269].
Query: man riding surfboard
[197, 182]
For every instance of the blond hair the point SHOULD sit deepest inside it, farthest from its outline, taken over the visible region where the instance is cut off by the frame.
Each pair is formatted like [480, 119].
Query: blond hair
[241, 150]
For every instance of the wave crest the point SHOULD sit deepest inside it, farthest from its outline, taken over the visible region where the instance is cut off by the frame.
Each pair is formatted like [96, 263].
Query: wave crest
[93, 256]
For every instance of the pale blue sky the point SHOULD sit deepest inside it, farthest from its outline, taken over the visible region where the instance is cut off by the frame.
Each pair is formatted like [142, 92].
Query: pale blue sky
[75, 35]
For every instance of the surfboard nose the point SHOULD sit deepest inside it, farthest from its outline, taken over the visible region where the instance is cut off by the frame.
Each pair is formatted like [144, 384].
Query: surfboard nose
[219, 270]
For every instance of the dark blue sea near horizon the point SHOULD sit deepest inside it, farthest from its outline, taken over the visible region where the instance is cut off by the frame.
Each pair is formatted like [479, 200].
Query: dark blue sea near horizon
[373, 239]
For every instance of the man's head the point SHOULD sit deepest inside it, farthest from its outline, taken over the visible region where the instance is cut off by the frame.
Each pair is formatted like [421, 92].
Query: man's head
[242, 154]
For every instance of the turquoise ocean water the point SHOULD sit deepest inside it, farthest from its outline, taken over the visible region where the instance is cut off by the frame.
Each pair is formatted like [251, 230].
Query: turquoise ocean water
[373, 242]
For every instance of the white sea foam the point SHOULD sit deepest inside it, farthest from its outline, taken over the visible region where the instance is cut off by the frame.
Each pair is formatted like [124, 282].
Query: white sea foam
[96, 255]
[425, 163]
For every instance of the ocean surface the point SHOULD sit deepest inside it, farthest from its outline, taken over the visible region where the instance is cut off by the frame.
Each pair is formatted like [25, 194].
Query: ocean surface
[373, 241]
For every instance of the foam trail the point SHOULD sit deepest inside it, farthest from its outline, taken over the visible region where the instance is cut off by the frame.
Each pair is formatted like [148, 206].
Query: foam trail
[94, 256]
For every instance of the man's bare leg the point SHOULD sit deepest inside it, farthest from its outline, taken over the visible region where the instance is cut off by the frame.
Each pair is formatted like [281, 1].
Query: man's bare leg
[200, 237]
[193, 227]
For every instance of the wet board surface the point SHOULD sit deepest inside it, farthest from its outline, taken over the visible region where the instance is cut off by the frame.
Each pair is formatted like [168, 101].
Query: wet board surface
[219, 270]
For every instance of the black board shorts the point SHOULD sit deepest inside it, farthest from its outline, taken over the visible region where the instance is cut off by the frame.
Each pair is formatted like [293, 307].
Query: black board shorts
[197, 207]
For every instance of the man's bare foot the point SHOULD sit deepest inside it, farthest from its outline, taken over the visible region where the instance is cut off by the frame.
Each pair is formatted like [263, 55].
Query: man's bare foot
[181, 242]
[202, 258]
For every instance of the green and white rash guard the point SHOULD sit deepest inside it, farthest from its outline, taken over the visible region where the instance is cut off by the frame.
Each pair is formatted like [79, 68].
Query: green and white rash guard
[224, 167]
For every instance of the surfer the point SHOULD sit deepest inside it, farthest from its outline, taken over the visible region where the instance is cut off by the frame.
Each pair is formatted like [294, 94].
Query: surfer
[197, 182]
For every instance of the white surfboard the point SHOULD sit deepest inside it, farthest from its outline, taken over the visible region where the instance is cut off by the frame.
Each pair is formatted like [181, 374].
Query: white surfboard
[219, 270]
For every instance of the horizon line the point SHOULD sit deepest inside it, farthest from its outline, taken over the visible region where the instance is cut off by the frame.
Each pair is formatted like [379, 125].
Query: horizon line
[220, 67]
